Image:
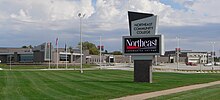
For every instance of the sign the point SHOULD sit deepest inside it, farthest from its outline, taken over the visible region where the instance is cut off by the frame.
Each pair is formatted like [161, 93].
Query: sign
[143, 45]
[102, 48]
[142, 23]
[145, 26]
[177, 49]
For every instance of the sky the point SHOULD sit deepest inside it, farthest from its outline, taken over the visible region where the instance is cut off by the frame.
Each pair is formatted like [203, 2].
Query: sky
[33, 22]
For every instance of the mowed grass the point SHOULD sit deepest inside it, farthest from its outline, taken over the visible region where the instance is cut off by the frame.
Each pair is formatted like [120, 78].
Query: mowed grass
[95, 84]
[208, 93]
[15, 67]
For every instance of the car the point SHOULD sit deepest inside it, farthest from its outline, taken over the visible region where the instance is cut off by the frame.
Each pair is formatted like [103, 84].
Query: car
[208, 64]
[217, 63]
[191, 64]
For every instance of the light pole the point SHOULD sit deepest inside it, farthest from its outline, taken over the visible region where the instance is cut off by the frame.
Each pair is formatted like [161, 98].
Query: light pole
[213, 54]
[80, 17]
[200, 57]
[49, 47]
[177, 51]
[10, 62]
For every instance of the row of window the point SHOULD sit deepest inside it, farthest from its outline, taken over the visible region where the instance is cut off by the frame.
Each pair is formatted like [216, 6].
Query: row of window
[95, 60]
[197, 55]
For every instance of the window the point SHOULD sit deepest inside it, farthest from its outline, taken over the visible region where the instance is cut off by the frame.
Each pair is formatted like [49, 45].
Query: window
[63, 57]
[26, 58]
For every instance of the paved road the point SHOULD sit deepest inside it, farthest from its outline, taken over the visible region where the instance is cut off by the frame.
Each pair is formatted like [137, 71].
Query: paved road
[185, 67]
[164, 67]
[167, 92]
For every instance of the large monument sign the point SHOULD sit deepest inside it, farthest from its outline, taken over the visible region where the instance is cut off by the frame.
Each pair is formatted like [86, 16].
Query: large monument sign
[142, 44]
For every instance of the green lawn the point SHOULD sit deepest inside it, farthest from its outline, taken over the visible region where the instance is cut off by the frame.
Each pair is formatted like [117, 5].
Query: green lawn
[209, 93]
[4, 66]
[96, 84]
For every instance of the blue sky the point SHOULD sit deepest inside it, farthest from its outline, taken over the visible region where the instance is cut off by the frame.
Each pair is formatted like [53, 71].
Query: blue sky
[173, 4]
[32, 22]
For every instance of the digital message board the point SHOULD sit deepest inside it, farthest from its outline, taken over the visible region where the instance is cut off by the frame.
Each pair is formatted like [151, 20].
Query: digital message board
[143, 45]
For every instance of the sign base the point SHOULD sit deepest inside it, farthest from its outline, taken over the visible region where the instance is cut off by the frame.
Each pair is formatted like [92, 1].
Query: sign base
[142, 68]
[143, 71]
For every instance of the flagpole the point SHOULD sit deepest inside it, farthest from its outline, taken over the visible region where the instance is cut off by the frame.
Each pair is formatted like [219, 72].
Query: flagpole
[100, 53]
[66, 56]
[49, 55]
[57, 51]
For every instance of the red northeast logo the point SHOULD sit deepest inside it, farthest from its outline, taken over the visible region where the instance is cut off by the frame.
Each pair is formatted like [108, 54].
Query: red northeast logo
[132, 47]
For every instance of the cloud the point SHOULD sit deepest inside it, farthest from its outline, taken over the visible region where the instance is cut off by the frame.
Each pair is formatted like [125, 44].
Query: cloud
[68, 10]
[31, 19]
[22, 15]
[198, 12]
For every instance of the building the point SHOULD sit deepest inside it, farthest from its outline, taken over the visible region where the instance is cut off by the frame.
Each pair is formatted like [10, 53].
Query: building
[16, 55]
[197, 57]
[45, 53]
[185, 56]
[41, 54]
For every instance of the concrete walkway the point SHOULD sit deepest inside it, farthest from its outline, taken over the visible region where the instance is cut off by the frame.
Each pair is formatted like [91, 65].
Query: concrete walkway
[167, 92]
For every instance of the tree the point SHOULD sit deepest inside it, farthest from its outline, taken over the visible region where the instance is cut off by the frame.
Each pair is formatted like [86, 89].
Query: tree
[217, 59]
[71, 49]
[24, 46]
[116, 53]
[89, 46]
[93, 51]
[30, 46]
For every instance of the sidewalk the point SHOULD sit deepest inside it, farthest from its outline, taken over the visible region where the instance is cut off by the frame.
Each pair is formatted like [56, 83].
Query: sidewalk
[167, 92]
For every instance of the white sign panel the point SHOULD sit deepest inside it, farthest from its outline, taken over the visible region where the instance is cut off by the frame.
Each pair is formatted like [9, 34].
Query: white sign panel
[144, 26]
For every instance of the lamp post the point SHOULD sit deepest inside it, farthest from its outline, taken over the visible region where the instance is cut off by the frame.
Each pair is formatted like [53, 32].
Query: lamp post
[80, 17]
[178, 51]
[200, 57]
[213, 54]
[10, 62]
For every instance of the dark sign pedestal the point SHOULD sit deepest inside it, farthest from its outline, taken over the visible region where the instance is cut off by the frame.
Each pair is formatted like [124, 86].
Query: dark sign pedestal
[143, 71]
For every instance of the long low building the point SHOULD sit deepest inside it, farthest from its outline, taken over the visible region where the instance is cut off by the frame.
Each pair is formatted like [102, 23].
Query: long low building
[45, 53]
[185, 56]
[41, 54]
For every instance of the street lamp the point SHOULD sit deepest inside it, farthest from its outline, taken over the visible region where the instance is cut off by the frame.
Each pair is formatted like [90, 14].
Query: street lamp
[200, 57]
[80, 17]
[213, 54]
[178, 51]
[10, 62]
